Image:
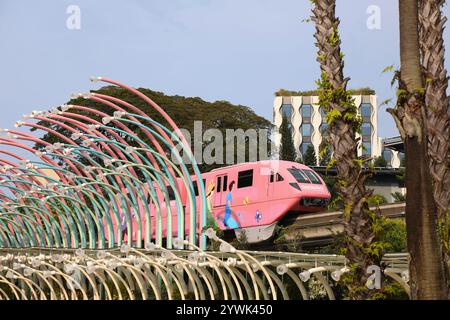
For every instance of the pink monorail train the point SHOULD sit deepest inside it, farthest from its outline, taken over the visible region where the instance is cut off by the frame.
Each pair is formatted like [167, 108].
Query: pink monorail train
[248, 198]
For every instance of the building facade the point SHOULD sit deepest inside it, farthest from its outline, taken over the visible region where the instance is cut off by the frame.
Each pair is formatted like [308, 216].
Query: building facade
[308, 124]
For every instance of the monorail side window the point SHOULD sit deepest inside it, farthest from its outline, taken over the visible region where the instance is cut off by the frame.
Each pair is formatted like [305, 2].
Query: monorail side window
[194, 183]
[171, 193]
[272, 177]
[219, 183]
[204, 183]
[225, 183]
[197, 186]
[129, 197]
[245, 178]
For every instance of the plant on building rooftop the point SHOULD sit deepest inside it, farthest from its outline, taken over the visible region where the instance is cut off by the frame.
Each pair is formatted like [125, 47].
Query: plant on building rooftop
[366, 91]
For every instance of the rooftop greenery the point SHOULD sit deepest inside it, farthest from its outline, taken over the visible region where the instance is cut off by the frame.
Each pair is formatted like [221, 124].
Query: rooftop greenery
[366, 91]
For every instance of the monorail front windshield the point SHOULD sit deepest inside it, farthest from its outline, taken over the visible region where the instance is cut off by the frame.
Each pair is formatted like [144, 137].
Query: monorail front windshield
[304, 176]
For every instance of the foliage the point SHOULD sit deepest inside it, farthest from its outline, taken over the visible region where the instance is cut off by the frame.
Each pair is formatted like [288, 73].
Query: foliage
[354, 291]
[380, 162]
[335, 247]
[241, 242]
[283, 244]
[316, 290]
[213, 245]
[391, 235]
[376, 200]
[394, 233]
[401, 176]
[444, 233]
[366, 91]
[324, 157]
[388, 69]
[398, 197]
[287, 149]
[335, 200]
[341, 99]
[309, 158]
[184, 111]
[391, 290]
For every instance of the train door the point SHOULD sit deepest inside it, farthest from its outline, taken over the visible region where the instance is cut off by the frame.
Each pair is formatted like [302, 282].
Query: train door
[272, 180]
[220, 193]
[270, 185]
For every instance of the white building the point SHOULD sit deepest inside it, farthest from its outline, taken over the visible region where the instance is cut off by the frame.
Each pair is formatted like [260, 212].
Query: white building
[308, 121]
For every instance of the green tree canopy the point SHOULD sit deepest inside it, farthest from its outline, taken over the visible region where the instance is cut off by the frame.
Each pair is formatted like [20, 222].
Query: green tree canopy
[221, 115]
[380, 162]
[309, 158]
[394, 233]
[287, 149]
[324, 156]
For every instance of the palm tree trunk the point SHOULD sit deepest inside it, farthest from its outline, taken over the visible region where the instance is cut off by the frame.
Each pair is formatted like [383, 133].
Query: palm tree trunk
[342, 137]
[431, 30]
[427, 277]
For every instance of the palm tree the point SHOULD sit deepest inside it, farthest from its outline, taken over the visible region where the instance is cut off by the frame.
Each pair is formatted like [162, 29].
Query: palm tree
[344, 123]
[431, 30]
[427, 276]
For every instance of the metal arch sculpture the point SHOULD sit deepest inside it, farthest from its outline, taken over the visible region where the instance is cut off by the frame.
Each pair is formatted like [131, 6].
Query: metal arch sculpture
[64, 210]
[96, 164]
[159, 273]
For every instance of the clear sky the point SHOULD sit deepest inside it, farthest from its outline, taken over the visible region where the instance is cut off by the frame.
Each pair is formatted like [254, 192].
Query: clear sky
[236, 50]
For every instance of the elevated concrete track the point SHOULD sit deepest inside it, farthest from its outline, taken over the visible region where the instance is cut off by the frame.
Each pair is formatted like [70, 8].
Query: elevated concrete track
[319, 229]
